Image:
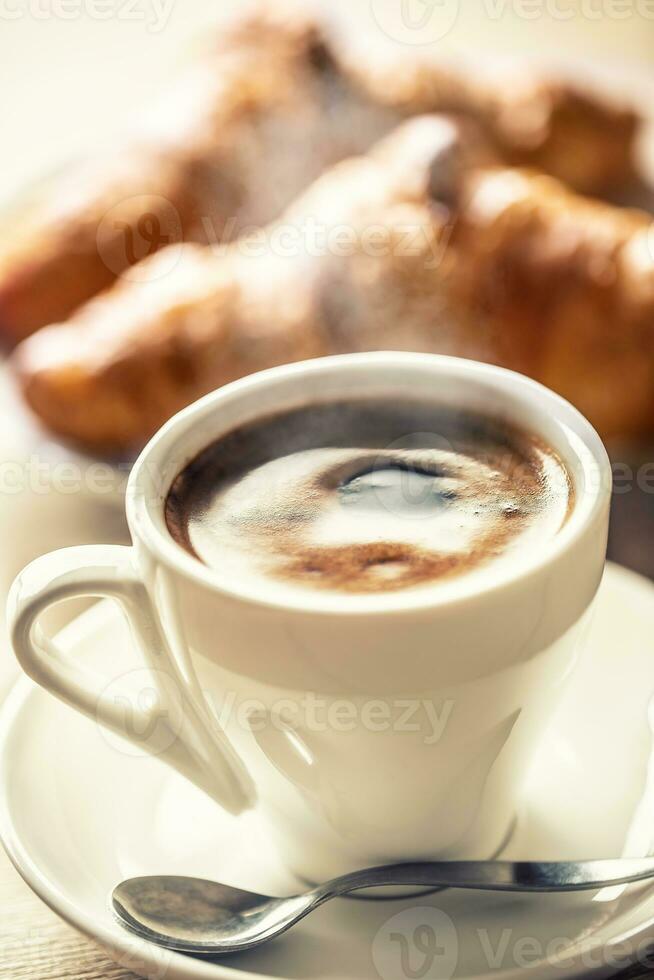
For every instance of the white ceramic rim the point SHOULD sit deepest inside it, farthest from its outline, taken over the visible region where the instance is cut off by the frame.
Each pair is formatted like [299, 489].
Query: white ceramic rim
[146, 494]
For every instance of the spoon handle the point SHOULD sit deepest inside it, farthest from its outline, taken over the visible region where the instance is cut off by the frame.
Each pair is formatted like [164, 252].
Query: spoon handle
[518, 876]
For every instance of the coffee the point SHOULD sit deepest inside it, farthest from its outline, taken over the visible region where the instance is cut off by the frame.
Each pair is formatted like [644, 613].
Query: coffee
[365, 496]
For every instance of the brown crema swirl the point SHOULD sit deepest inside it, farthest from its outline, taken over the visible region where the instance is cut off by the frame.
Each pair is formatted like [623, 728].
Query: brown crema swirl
[367, 496]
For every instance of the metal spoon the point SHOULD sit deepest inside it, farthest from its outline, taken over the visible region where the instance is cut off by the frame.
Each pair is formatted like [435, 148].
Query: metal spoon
[207, 919]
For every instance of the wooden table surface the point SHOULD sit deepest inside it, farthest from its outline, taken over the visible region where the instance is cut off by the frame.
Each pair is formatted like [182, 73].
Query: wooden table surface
[36, 945]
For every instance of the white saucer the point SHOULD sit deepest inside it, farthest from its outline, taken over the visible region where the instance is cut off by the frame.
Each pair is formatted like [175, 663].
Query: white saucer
[79, 811]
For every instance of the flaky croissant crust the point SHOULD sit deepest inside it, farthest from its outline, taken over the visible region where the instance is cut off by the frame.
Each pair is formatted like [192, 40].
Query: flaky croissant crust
[428, 243]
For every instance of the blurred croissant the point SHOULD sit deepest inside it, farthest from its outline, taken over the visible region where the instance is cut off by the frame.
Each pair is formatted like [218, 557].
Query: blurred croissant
[275, 99]
[426, 243]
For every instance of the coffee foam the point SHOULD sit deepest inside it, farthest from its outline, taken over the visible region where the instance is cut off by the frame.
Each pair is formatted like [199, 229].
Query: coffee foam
[367, 497]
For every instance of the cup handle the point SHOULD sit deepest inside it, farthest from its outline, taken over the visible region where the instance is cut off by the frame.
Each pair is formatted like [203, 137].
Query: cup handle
[188, 737]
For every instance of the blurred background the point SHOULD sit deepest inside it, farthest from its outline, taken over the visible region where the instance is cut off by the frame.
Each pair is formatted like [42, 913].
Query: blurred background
[72, 73]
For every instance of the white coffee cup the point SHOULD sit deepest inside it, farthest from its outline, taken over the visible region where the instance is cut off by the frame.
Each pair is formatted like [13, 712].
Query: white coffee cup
[368, 728]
